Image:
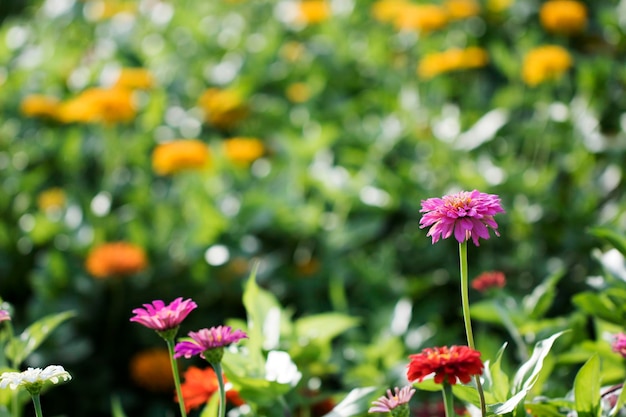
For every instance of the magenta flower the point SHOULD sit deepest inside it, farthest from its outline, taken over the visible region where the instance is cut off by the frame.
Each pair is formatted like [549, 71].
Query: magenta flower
[467, 214]
[208, 339]
[4, 315]
[619, 344]
[160, 317]
[386, 404]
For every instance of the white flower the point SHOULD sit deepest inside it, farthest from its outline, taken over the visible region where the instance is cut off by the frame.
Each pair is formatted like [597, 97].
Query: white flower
[280, 368]
[33, 378]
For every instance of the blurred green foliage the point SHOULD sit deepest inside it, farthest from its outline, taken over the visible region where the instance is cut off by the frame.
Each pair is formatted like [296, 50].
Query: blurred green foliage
[353, 141]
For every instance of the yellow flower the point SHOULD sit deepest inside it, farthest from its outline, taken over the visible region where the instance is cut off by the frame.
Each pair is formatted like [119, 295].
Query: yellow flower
[452, 60]
[99, 105]
[298, 92]
[135, 78]
[313, 11]
[498, 6]
[243, 150]
[421, 17]
[39, 105]
[563, 16]
[151, 369]
[461, 9]
[387, 11]
[179, 155]
[545, 63]
[105, 9]
[51, 199]
[115, 259]
[222, 108]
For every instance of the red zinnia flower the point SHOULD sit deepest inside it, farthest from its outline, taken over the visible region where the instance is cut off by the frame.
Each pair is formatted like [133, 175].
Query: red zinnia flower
[467, 214]
[489, 280]
[201, 384]
[448, 364]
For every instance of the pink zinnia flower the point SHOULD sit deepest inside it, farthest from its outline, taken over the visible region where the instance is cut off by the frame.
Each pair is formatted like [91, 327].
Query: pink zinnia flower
[619, 344]
[4, 315]
[208, 339]
[160, 317]
[386, 404]
[467, 214]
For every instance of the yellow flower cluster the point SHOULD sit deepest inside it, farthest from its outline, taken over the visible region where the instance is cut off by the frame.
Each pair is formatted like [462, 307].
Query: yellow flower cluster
[180, 155]
[51, 199]
[108, 105]
[564, 17]
[451, 60]
[404, 15]
[222, 108]
[313, 11]
[241, 150]
[545, 63]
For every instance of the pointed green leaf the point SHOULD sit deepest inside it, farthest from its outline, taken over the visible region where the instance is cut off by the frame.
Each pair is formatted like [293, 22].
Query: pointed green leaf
[324, 327]
[357, 402]
[499, 384]
[597, 305]
[537, 303]
[116, 407]
[20, 347]
[587, 388]
[527, 374]
[618, 240]
[212, 406]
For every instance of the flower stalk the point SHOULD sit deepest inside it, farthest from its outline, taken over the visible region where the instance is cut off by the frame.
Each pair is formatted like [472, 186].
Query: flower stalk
[217, 367]
[179, 393]
[448, 399]
[37, 404]
[467, 318]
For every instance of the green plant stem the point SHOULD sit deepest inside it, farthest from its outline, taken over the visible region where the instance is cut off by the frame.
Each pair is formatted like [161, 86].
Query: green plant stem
[217, 367]
[448, 399]
[467, 319]
[512, 329]
[37, 404]
[179, 393]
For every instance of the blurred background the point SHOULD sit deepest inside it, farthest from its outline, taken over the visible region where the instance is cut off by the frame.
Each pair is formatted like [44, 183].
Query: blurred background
[153, 149]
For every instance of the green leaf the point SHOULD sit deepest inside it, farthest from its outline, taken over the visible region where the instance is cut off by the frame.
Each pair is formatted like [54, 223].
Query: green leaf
[543, 410]
[212, 406]
[499, 384]
[116, 407]
[616, 239]
[20, 347]
[598, 305]
[537, 303]
[324, 327]
[527, 374]
[357, 402]
[587, 388]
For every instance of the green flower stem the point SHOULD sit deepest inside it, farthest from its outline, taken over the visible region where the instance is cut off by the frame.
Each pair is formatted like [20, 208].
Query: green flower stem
[37, 404]
[217, 367]
[448, 399]
[467, 319]
[179, 393]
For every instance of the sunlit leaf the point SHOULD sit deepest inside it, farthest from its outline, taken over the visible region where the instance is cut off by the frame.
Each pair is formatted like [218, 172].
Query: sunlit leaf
[357, 402]
[587, 389]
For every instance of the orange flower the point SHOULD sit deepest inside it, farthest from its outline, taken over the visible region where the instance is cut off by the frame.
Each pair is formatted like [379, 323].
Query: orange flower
[452, 60]
[222, 108]
[115, 259]
[134, 78]
[545, 63]
[99, 105]
[51, 199]
[179, 155]
[200, 384]
[461, 9]
[152, 370]
[313, 11]
[243, 150]
[421, 17]
[563, 16]
[39, 105]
